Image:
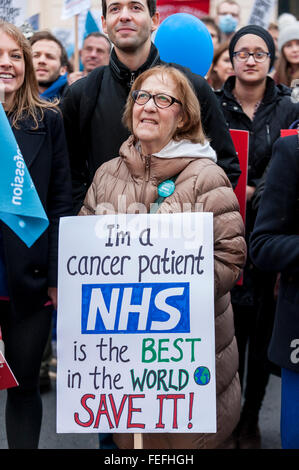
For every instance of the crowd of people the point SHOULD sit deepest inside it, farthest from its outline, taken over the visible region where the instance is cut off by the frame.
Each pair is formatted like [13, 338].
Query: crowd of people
[124, 124]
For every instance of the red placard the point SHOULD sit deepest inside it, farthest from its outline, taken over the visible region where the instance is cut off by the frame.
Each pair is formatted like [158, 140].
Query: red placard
[285, 132]
[241, 143]
[197, 8]
[7, 379]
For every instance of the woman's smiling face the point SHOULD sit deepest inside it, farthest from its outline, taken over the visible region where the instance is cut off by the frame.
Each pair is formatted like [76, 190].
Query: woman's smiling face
[12, 67]
[152, 126]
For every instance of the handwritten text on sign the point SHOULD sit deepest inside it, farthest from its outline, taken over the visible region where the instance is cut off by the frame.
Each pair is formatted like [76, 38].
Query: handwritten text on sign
[136, 350]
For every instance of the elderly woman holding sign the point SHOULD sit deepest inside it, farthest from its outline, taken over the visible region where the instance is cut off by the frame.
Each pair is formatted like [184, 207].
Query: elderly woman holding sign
[28, 275]
[168, 160]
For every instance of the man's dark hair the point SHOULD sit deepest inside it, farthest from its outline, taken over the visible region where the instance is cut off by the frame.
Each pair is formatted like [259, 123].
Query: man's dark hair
[41, 35]
[152, 6]
[208, 20]
[97, 34]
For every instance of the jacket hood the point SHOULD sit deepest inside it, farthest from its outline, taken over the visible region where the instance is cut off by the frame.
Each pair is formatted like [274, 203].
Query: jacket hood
[186, 148]
[160, 167]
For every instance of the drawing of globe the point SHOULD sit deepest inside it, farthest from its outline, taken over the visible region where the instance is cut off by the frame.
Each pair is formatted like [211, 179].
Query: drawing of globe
[202, 375]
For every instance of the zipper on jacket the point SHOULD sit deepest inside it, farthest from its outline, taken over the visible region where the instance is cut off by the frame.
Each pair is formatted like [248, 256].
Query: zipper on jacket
[146, 176]
[147, 167]
[268, 134]
[132, 79]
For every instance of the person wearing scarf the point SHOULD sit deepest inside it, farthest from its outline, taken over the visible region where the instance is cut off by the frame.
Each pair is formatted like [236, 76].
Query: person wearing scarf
[167, 144]
[51, 65]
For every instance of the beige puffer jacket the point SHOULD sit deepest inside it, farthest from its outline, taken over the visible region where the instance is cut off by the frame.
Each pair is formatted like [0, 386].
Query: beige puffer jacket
[200, 180]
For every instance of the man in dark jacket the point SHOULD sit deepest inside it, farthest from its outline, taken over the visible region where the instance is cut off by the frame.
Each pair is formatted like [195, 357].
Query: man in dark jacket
[251, 101]
[93, 106]
[275, 248]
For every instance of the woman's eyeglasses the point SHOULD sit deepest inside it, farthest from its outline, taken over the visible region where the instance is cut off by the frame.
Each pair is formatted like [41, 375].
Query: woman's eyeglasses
[243, 56]
[161, 100]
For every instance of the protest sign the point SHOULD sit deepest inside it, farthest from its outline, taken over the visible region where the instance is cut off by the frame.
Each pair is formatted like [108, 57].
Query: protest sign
[7, 378]
[71, 8]
[241, 143]
[261, 12]
[286, 132]
[135, 330]
[13, 11]
[193, 7]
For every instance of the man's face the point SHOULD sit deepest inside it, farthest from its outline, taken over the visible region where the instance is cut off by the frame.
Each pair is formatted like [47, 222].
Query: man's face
[129, 24]
[46, 61]
[229, 9]
[95, 52]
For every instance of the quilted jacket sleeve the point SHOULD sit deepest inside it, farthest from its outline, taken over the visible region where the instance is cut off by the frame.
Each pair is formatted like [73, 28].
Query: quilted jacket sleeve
[216, 195]
[89, 204]
[93, 203]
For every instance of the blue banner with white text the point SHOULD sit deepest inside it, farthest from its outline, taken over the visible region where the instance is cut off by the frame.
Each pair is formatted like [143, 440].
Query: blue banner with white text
[20, 206]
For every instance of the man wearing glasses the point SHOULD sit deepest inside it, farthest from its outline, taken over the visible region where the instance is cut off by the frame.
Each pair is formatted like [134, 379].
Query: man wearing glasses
[94, 106]
[252, 101]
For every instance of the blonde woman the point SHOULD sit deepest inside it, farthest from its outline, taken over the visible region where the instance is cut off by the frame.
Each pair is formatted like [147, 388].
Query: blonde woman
[28, 276]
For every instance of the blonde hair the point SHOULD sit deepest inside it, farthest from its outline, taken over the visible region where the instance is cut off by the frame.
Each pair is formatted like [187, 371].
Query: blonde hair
[192, 127]
[27, 102]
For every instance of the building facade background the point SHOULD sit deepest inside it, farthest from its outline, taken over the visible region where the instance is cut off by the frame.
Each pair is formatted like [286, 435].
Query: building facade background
[50, 12]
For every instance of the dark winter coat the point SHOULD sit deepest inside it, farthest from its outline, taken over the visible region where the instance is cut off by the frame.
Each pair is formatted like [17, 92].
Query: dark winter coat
[276, 112]
[30, 271]
[92, 111]
[275, 247]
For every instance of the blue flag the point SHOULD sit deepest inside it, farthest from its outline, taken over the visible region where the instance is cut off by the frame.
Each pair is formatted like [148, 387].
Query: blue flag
[90, 24]
[20, 206]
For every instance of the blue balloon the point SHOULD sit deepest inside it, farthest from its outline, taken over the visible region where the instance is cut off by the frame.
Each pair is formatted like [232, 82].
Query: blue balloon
[185, 40]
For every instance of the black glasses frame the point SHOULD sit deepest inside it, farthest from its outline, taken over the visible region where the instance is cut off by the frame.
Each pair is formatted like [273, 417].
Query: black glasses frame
[249, 54]
[150, 96]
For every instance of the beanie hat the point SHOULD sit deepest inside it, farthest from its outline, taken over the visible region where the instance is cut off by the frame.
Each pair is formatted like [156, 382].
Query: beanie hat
[285, 19]
[257, 31]
[288, 33]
